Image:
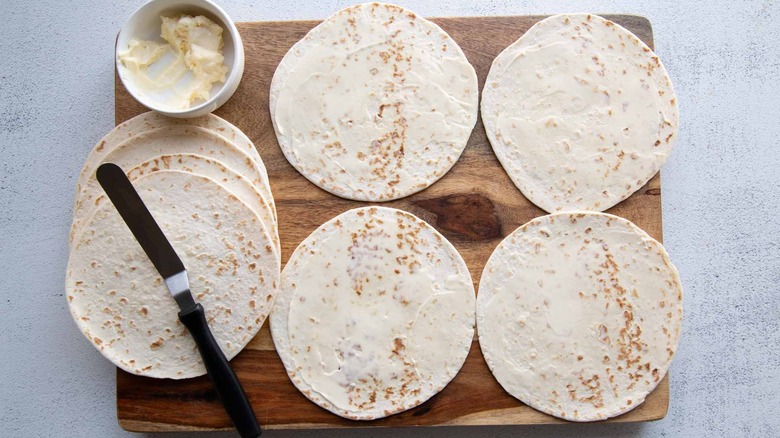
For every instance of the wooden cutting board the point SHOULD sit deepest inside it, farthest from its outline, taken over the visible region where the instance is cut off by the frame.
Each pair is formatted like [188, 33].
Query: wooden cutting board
[475, 205]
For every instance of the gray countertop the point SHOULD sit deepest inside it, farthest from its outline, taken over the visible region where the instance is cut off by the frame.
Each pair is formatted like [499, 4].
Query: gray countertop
[721, 201]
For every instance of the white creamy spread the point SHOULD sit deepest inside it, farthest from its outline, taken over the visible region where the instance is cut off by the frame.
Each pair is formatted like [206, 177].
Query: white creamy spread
[380, 312]
[180, 73]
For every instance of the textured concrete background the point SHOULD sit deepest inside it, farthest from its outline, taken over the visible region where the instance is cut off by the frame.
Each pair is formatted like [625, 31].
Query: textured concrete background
[721, 208]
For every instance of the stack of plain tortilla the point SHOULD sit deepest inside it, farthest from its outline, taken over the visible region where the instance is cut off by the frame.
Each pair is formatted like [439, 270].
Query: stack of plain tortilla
[206, 186]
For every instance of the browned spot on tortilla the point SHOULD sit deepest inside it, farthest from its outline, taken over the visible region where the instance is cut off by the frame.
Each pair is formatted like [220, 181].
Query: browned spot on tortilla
[398, 346]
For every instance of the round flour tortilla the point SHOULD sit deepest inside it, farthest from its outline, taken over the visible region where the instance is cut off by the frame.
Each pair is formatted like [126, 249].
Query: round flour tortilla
[374, 104]
[151, 120]
[236, 184]
[120, 302]
[375, 313]
[579, 315]
[166, 140]
[580, 112]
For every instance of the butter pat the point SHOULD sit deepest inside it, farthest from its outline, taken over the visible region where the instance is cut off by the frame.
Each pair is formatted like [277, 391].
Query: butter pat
[180, 73]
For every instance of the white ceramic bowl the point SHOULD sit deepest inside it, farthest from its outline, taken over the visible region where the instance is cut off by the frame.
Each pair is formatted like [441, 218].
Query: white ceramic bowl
[145, 24]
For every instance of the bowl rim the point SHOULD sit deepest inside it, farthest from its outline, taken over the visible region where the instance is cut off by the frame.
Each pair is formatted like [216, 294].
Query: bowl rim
[236, 70]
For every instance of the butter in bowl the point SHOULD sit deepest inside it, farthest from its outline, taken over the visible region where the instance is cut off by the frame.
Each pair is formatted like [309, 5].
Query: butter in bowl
[181, 59]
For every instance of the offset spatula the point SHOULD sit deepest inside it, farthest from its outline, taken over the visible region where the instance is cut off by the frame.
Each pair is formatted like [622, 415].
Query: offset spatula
[161, 253]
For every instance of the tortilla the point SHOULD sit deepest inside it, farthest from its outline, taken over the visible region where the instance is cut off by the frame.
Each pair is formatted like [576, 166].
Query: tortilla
[579, 315]
[580, 113]
[375, 313]
[120, 302]
[236, 184]
[151, 120]
[166, 140]
[374, 104]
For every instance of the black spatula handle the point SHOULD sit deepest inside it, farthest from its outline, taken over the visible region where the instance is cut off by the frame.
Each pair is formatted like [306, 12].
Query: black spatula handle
[221, 373]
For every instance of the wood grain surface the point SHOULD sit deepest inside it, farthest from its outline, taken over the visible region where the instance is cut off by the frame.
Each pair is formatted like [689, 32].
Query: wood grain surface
[474, 205]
